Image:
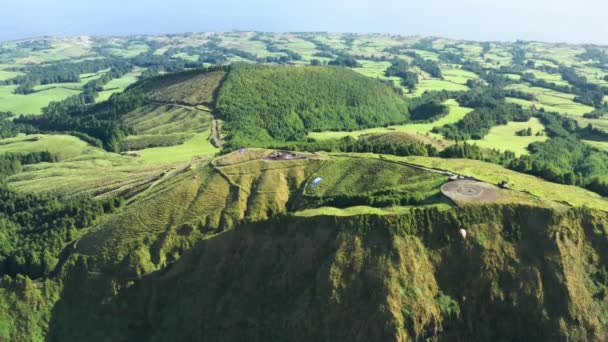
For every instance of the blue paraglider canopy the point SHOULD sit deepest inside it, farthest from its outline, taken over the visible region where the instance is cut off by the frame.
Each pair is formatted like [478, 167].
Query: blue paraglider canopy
[316, 181]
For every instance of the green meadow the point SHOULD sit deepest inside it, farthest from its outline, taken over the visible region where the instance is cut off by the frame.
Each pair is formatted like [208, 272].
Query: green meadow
[437, 85]
[455, 114]
[198, 146]
[551, 100]
[552, 78]
[118, 85]
[503, 137]
[31, 103]
[602, 145]
[5, 75]
[493, 173]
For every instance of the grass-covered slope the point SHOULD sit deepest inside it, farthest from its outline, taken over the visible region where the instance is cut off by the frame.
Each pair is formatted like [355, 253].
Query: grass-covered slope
[219, 251]
[261, 103]
[522, 273]
[187, 88]
[361, 181]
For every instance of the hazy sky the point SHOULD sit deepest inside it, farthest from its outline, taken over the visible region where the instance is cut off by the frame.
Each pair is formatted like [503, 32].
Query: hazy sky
[547, 20]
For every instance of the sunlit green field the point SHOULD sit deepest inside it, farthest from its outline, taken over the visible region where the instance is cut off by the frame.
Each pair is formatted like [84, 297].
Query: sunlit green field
[602, 145]
[552, 78]
[593, 75]
[437, 85]
[244, 43]
[361, 209]
[130, 51]
[5, 75]
[82, 168]
[64, 146]
[455, 114]
[458, 76]
[197, 146]
[31, 103]
[503, 137]
[119, 84]
[305, 48]
[493, 173]
[373, 69]
[551, 100]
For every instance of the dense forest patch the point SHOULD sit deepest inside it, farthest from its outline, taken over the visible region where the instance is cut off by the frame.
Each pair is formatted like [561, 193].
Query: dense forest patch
[261, 104]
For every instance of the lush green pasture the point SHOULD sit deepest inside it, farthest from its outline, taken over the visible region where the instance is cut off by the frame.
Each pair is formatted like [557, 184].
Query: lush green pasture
[82, 168]
[493, 173]
[437, 85]
[543, 62]
[551, 100]
[198, 146]
[84, 79]
[242, 42]
[563, 54]
[597, 123]
[186, 57]
[503, 137]
[191, 88]
[303, 47]
[168, 119]
[118, 85]
[373, 45]
[60, 49]
[602, 145]
[374, 69]
[333, 40]
[357, 176]
[471, 49]
[31, 103]
[64, 146]
[6, 75]
[455, 114]
[426, 54]
[552, 78]
[497, 59]
[129, 51]
[593, 75]
[364, 210]
[458, 76]
[174, 120]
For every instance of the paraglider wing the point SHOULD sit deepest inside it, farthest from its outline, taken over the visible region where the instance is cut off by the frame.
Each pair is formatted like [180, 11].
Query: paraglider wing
[463, 233]
[316, 181]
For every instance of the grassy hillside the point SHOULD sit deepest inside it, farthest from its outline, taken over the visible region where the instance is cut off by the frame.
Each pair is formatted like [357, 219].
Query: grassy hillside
[359, 181]
[261, 104]
[522, 272]
[144, 229]
[186, 88]
[226, 226]
[455, 114]
[505, 137]
[535, 186]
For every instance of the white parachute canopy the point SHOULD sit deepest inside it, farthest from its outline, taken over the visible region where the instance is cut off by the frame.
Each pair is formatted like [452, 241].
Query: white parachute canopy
[463, 233]
[316, 181]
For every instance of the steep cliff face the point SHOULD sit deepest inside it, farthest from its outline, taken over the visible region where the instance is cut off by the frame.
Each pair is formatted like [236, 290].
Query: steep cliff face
[521, 272]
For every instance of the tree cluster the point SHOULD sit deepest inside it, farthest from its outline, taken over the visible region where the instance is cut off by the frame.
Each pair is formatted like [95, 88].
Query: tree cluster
[261, 104]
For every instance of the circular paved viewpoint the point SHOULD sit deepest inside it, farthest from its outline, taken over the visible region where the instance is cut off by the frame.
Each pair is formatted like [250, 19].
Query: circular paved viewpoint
[470, 191]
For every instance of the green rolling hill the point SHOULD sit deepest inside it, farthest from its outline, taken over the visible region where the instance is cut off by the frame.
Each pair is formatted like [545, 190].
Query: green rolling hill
[292, 187]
